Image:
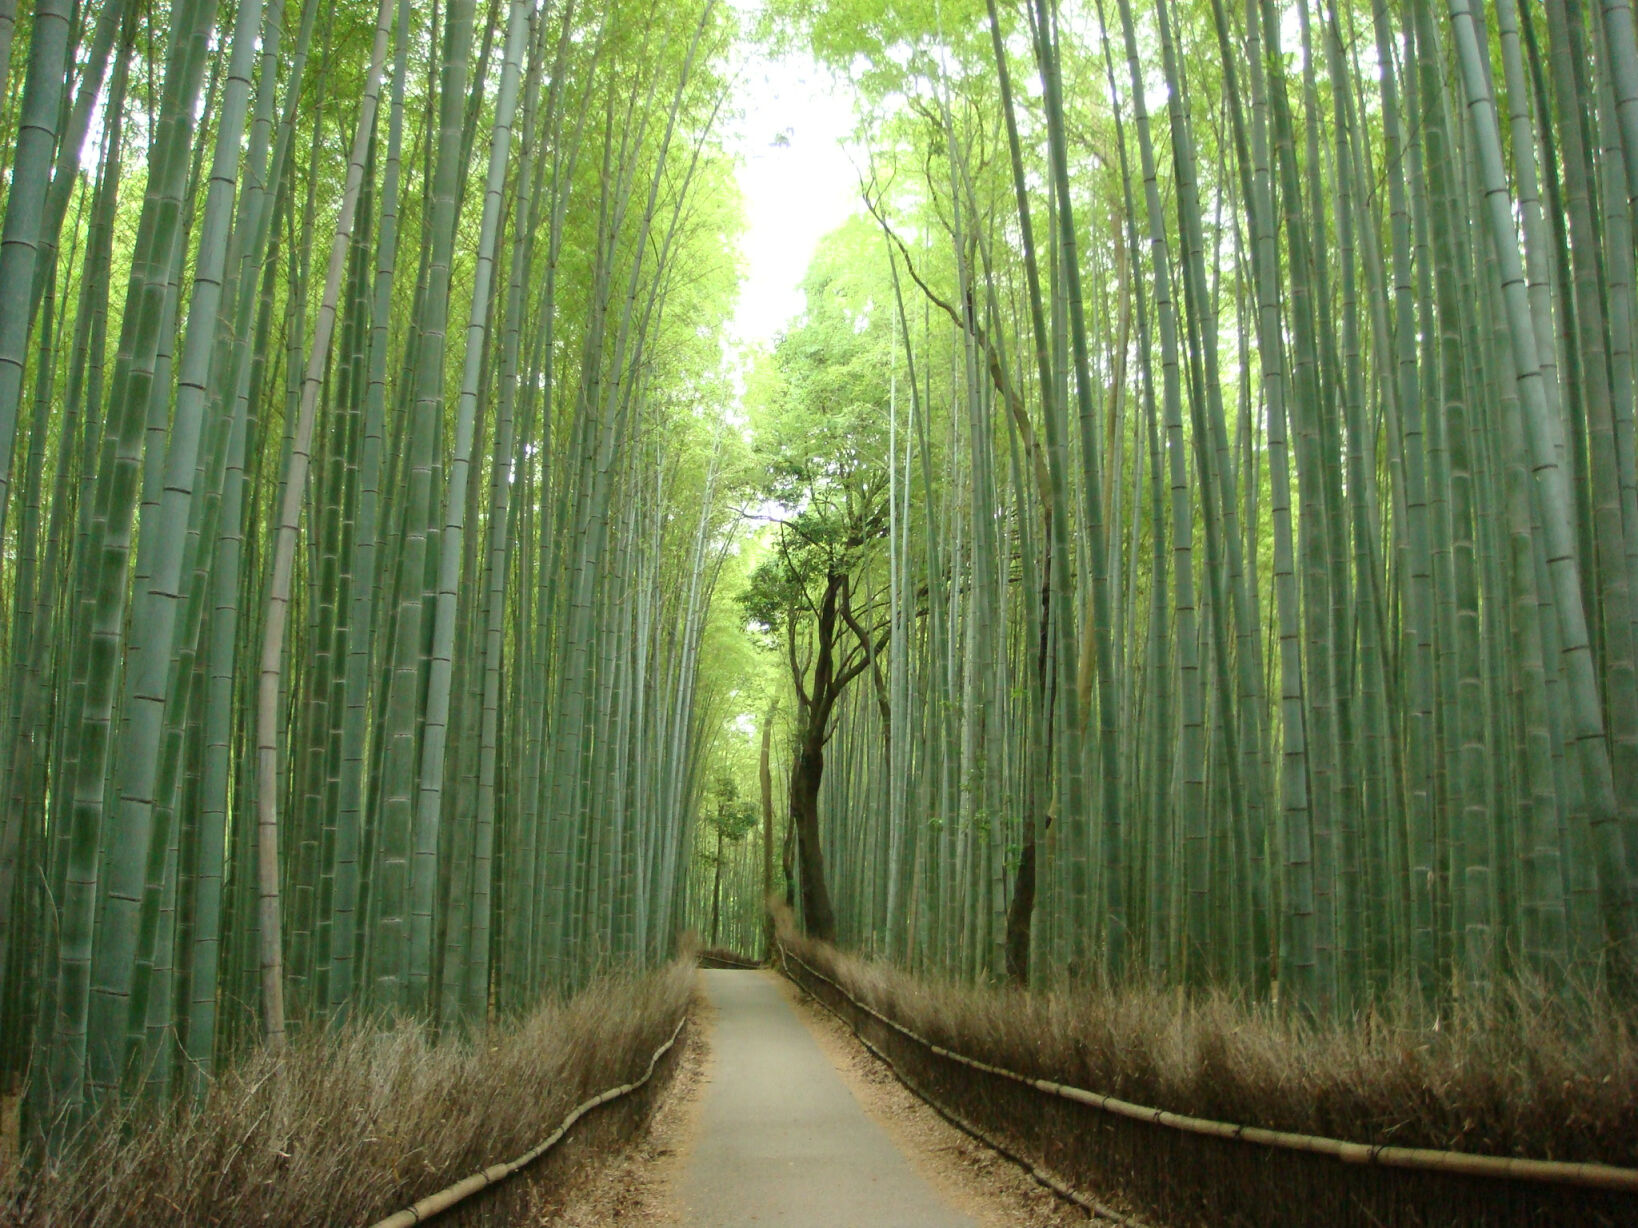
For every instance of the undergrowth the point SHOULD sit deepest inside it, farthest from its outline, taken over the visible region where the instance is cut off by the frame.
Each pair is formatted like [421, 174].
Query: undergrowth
[353, 1124]
[1534, 1074]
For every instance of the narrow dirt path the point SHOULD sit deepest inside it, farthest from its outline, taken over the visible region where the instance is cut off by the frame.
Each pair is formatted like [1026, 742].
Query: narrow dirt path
[659, 1179]
[782, 1140]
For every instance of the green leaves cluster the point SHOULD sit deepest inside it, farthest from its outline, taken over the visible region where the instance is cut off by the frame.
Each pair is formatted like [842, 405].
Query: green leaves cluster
[820, 423]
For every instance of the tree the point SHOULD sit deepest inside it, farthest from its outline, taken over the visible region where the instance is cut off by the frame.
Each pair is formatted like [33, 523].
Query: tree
[821, 439]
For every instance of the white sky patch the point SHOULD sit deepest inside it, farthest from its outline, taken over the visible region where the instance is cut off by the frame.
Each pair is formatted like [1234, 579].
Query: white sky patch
[797, 178]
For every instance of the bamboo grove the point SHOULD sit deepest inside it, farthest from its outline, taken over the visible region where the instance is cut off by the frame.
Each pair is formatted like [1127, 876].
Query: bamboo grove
[1243, 591]
[361, 514]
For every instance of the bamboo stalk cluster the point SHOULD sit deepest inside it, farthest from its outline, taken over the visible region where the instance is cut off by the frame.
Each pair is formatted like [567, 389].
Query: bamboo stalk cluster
[1264, 522]
[358, 549]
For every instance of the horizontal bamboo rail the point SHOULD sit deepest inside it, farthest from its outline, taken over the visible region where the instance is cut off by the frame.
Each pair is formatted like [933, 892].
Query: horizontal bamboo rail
[1422, 1159]
[710, 959]
[434, 1204]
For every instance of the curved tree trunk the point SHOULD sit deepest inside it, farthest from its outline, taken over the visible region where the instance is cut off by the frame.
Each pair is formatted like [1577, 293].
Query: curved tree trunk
[819, 918]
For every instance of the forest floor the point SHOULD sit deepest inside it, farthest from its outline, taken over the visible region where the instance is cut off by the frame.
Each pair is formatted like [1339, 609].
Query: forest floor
[675, 1172]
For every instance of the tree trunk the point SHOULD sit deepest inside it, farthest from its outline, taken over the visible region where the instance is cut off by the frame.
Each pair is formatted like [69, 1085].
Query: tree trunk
[818, 916]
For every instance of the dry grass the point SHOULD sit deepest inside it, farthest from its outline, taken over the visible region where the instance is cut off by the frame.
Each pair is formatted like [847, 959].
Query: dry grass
[353, 1125]
[1539, 1076]
[1536, 1076]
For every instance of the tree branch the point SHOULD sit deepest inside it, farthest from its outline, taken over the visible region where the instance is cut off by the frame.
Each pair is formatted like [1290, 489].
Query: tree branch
[968, 323]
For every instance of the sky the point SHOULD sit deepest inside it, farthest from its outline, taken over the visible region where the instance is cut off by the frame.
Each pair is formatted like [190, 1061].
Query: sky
[797, 179]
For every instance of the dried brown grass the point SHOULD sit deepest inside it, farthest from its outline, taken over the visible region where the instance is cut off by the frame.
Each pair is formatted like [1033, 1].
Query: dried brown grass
[1537, 1075]
[352, 1125]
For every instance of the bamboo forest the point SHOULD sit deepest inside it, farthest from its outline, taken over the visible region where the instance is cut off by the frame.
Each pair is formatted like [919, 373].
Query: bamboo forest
[1184, 535]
